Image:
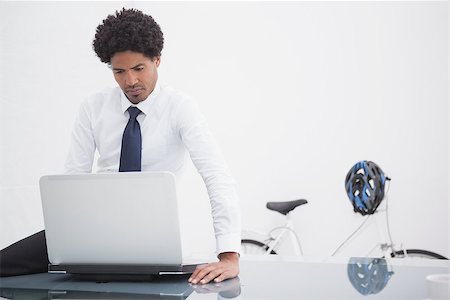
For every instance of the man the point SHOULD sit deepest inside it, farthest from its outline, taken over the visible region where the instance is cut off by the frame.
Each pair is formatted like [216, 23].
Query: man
[144, 126]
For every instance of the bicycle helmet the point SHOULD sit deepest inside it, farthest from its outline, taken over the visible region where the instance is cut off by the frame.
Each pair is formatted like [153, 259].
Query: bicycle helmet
[365, 186]
[368, 275]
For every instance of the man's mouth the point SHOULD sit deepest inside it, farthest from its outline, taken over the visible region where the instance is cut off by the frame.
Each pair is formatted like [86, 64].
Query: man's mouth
[134, 91]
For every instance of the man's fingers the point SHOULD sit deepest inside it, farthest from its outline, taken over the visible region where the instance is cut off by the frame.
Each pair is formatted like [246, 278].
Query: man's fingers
[200, 272]
[213, 273]
[206, 273]
[218, 272]
[197, 270]
[223, 276]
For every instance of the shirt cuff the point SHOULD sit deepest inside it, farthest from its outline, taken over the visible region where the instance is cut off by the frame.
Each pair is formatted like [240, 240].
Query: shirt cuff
[230, 242]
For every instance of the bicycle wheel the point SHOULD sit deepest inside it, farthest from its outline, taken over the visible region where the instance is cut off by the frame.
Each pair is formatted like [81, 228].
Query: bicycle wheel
[254, 247]
[417, 253]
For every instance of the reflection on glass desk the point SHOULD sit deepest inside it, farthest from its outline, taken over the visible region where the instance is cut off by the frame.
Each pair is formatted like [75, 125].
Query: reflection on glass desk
[64, 286]
[261, 277]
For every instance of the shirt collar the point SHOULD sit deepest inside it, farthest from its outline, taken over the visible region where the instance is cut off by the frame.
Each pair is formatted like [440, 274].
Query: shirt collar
[146, 105]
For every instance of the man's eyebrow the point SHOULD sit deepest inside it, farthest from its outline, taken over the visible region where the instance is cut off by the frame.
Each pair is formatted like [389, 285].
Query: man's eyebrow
[136, 66]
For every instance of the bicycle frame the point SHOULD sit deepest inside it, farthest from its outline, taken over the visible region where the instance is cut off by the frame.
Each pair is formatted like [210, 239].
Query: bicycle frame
[287, 230]
[277, 235]
[379, 219]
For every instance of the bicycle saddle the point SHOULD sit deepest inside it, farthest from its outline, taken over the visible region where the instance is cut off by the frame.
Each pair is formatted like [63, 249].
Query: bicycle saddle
[285, 207]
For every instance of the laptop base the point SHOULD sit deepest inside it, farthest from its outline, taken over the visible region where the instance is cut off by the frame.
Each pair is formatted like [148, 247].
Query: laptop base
[117, 269]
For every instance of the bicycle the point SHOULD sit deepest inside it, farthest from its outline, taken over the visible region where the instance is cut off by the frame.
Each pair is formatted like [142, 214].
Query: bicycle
[269, 243]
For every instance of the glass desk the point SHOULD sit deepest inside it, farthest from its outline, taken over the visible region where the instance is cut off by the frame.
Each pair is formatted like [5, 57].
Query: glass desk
[261, 277]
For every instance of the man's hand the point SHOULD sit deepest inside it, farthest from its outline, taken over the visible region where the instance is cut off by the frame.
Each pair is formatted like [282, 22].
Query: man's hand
[227, 267]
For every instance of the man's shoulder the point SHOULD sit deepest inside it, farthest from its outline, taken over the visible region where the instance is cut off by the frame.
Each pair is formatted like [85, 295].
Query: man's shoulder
[173, 96]
[106, 94]
[180, 106]
[97, 101]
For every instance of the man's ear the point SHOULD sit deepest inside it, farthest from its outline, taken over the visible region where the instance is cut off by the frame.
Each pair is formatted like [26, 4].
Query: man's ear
[157, 60]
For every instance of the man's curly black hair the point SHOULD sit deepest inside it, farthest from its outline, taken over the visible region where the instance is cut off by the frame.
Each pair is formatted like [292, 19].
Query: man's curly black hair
[128, 29]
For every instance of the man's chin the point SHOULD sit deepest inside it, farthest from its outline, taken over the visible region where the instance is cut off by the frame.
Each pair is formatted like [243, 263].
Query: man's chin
[135, 99]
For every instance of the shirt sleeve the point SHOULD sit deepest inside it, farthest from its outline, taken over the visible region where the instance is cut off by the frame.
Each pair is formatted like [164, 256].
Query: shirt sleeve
[210, 163]
[82, 144]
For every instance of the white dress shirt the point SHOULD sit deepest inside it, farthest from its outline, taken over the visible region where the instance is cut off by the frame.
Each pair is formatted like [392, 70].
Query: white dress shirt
[171, 124]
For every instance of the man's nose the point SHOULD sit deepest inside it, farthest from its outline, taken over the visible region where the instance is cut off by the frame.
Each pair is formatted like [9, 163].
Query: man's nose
[130, 79]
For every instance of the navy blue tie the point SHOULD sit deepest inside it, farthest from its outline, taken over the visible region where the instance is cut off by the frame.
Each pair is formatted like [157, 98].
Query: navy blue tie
[130, 156]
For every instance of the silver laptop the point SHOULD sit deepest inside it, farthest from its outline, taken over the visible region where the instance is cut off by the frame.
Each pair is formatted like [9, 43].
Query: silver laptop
[116, 223]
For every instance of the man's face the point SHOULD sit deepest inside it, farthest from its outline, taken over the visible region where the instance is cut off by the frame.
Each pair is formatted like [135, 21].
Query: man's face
[135, 73]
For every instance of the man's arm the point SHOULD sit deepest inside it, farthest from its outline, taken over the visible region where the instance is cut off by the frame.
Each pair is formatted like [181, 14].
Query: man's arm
[82, 144]
[208, 160]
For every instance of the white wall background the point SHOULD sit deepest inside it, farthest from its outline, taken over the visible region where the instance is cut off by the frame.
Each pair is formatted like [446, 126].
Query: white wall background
[295, 92]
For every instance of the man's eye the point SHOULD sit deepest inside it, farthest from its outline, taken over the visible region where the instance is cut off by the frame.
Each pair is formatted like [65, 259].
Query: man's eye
[118, 71]
[139, 68]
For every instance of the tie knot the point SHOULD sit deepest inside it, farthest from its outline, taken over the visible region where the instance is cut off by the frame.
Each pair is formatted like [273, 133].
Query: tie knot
[134, 112]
